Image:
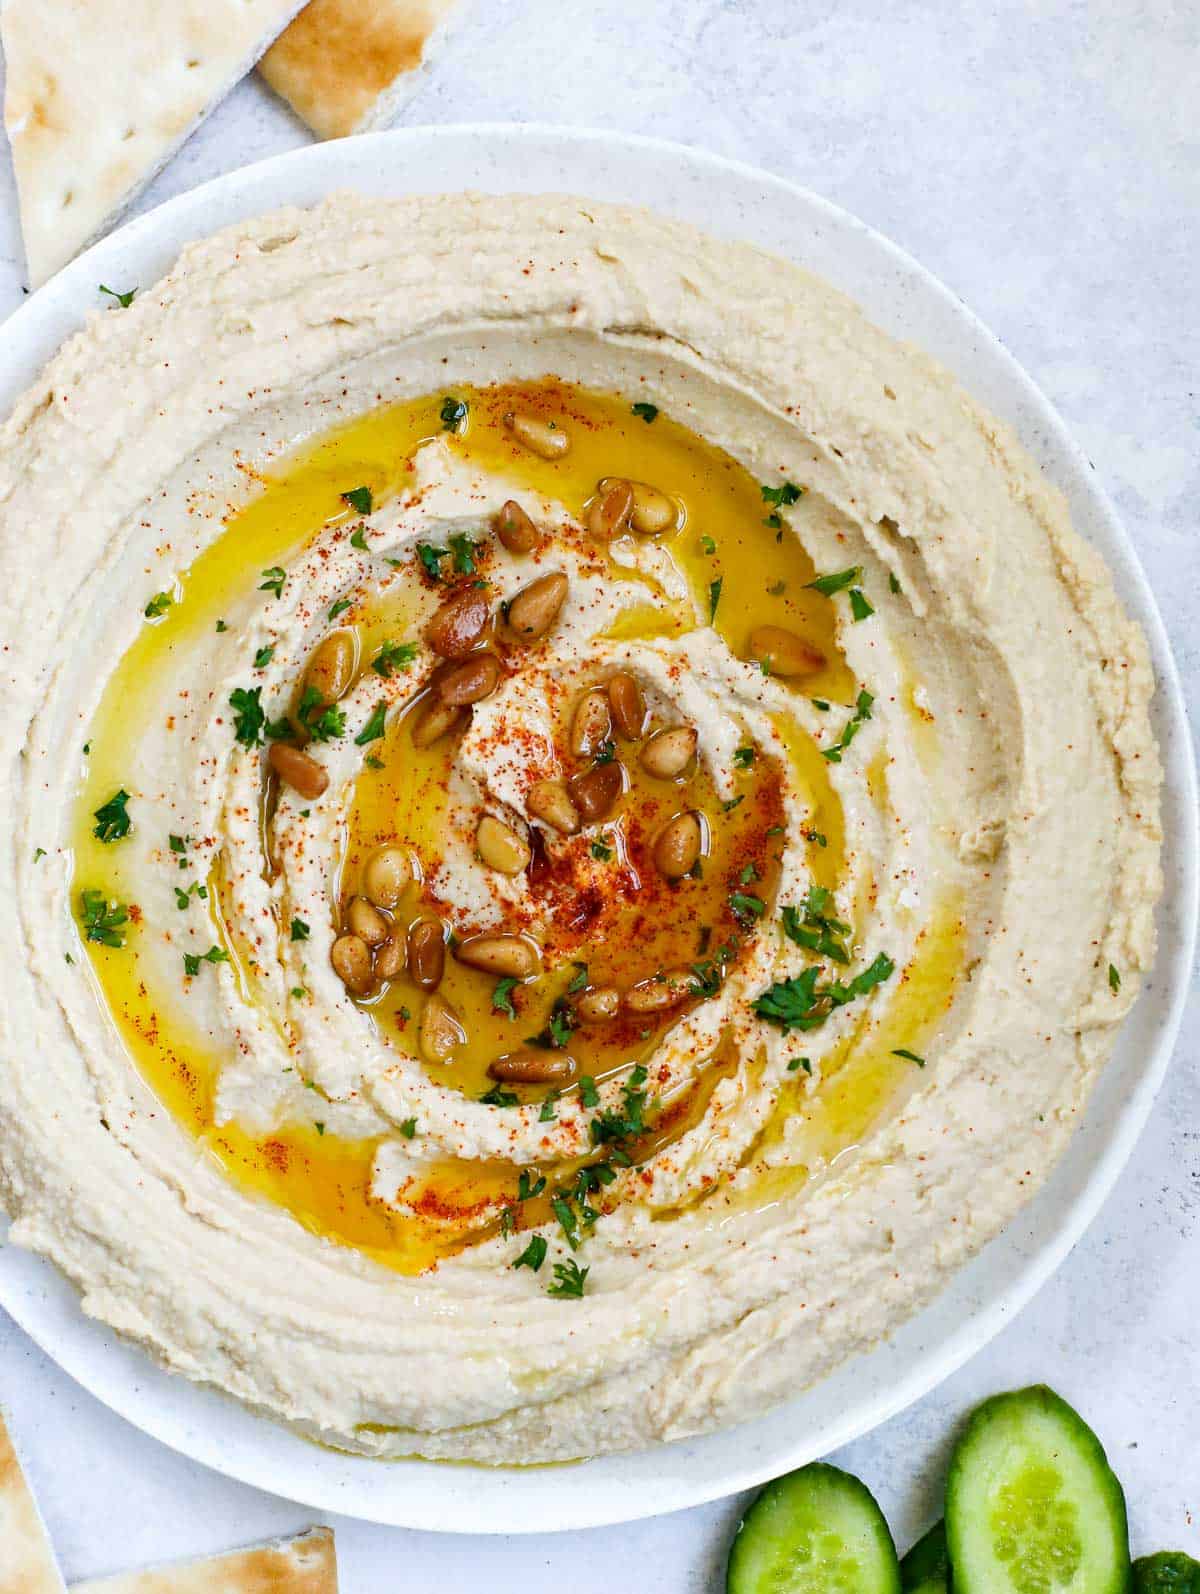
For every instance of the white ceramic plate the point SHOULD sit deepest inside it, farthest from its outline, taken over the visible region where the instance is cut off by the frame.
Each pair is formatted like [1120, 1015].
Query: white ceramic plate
[738, 202]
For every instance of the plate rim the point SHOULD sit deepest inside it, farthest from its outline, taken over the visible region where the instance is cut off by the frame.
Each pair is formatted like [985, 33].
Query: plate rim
[27, 1281]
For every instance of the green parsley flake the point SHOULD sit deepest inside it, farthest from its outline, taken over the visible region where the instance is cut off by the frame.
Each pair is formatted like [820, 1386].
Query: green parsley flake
[408, 1127]
[502, 995]
[264, 656]
[374, 728]
[860, 606]
[862, 713]
[743, 757]
[782, 497]
[393, 656]
[1114, 977]
[112, 820]
[892, 582]
[158, 605]
[796, 1063]
[273, 580]
[836, 581]
[570, 1279]
[453, 414]
[601, 850]
[714, 597]
[534, 1253]
[579, 979]
[193, 960]
[746, 908]
[499, 1097]
[588, 1094]
[339, 607]
[359, 498]
[903, 1051]
[358, 539]
[123, 299]
[463, 549]
[103, 921]
[645, 412]
[431, 558]
[300, 930]
[801, 1003]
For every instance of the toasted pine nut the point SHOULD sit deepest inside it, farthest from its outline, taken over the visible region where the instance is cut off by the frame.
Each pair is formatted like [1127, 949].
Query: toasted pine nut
[390, 958]
[364, 920]
[511, 955]
[535, 608]
[784, 653]
[500, 847]
[386, 875]
[610, 510]
[533, 1068]
[669, 752]
[435, 720]
[426, 953]
[301, 772]
[351, 959]
[331, 668]
[653, 512]
[598, 790]
[591, 725]
[628, 705]
[470, 680]
[548, 801]
[439, 1030]
[543, 438]
[598, 1005]
[456, 625]
[660, 992]
[515, 529]
[678, 846]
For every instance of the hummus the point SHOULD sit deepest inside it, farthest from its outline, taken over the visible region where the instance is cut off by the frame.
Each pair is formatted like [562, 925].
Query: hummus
[581, 825]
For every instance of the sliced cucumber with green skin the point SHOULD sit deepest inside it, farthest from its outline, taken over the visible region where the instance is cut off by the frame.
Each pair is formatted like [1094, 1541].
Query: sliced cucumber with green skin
[926, 1567]
[1168, 1572]
[1032, 1506]
[816, 1531]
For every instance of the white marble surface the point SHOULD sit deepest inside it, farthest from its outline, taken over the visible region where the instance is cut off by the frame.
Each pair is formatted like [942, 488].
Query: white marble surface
[1044, 160]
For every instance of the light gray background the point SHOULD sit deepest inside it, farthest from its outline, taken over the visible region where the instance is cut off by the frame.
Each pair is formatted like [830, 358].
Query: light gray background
[1044, 161]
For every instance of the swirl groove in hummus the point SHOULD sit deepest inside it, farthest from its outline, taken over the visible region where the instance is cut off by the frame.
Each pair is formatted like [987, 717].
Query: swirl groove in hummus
[750, 1095]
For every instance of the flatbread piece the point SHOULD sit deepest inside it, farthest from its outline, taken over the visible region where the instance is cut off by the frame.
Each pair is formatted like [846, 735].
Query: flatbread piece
[27, 1564]
[305, 1564]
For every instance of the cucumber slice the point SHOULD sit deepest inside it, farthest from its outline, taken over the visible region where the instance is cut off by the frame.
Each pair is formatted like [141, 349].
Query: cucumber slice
[1168, 1572]
[926, 1567]
[1032, 1506]
[816, 1531]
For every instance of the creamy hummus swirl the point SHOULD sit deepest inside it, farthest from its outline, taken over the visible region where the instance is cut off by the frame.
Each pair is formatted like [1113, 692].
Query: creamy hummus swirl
[876, 1037]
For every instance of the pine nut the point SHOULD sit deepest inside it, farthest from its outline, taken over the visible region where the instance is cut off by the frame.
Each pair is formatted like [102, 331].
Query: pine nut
[669, 752]
[500, 847]
[351, 959]
[469, 681]
[543, 438]
[456, 625]
[390, 958]
[597, 792]
[610, 510]
[506, 955]
[652, 512]
[426, 953]
[533, 1068]
[678, 846]
[386, 876]
[301, 772]
[365, 921]
[535, 608]
[515, 529]
[660, 992]
[591, 725]
[435, 720]
[628, 705]
[331, 668]
[549, 801]
[598, 1005]
[439, 1030]
[784, 653]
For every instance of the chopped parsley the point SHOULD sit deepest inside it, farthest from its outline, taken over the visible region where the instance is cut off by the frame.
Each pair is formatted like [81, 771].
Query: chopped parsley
[273, 580]
[743, 757]
[892, 582]
[777, 589]
[431, 558]
[499, 1097]
[408, 1127]
[1114, 977]
[860, 606]
[821, 703]
[714, 597]
[221, 626]
[569, 1280]
[903, 1051]
[158, 605]
[502, 995]
[782, 497]
[606, 752]
[339, 607]
[123, 299]
[103, 921]
[746, 908]
[249, 719]
[549, 1114]
[453, 414]
[801, 1003]
[836, 581]
[568, 1220]
[645, 412]
[796, 1063]
[528, 1188]
[579, 979]
[393, 656]
[557, 1032]
[358, 539]
[38, 852]
[707, 545]
[359, 498]
[323, 721]
[862, 713]
[112, 818]
[318, 1126]
[732, 802]
[811, 927]
[300, 930]
[193, 960]
[463, 549]
[264, 656]
[588, 1094]
[534, 1253]
[373, 729]
[182, 897]
[601, 850]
